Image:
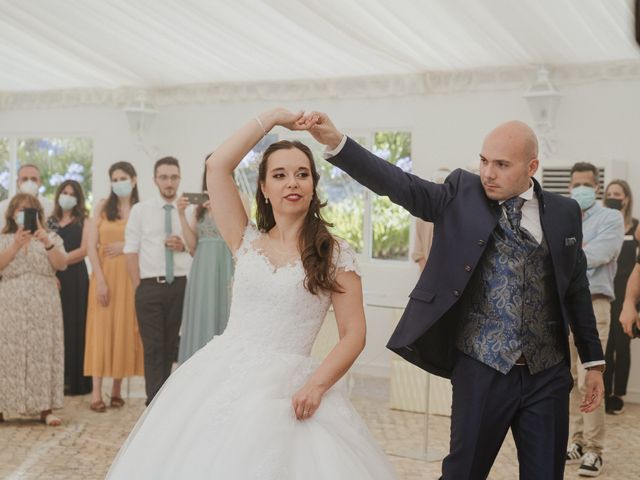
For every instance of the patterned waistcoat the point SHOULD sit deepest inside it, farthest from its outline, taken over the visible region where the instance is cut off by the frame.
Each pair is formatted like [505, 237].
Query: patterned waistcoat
[511, 307]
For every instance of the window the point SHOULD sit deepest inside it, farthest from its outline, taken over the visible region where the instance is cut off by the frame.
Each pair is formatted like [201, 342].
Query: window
[371, 224]
[391, 223]
[247, 172]
[58, 159]
[344, 196]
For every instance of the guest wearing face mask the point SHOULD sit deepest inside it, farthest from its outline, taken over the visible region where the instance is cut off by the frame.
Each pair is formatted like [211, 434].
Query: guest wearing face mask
[603, 233]
[29, 181]
[70, 222]
[32, 352]
[113, 345]
[618, 196]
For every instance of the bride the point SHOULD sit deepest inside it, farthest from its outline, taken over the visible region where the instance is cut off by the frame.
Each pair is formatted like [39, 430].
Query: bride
[251, 404]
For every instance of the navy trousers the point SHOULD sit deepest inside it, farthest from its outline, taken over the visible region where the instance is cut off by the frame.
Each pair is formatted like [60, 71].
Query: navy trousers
[486, 403]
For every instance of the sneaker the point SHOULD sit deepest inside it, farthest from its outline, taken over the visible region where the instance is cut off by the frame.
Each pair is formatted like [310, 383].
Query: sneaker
[574, 453]
[615, 406]
[591, 465]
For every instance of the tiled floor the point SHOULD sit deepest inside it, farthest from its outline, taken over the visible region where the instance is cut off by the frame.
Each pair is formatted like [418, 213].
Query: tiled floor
[84, 447]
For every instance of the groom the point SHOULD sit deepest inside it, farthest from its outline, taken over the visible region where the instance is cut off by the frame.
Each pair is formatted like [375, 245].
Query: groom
[505, 280]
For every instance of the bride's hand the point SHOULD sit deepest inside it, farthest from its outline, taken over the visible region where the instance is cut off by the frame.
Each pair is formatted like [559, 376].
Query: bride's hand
[282, 117]
[306, 401]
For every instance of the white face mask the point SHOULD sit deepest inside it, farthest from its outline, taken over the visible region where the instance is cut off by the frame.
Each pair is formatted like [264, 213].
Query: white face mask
[20, 218]
[67, 202]
[123, 188]
[29, 187]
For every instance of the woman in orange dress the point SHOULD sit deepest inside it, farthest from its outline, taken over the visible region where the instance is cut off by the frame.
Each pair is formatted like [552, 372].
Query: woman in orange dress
[113, 345]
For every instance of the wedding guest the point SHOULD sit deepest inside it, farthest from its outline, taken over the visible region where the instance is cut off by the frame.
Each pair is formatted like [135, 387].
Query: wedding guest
[113, 346]
[618, 196]
[32, 353]
[206, 301]
[70, 222]
[158, 263]
[29, 181]
[603, 234]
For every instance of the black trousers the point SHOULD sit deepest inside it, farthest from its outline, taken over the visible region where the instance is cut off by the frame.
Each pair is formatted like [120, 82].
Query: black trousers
[486, 403]
[159, 311]
[618, 352]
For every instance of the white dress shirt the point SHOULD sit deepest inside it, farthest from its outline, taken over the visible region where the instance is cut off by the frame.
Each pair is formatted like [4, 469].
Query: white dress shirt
[47, 206]
[145, 236]
[530, 214]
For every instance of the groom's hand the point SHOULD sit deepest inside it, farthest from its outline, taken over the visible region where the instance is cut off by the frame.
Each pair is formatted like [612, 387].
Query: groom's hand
[322, 128]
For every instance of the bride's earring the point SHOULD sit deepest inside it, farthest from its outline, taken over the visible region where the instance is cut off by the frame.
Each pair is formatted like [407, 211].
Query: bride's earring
[266, 200]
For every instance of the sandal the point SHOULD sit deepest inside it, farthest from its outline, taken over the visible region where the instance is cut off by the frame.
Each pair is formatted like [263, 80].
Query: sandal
[50, 420]
[117, 402]
[98, 406]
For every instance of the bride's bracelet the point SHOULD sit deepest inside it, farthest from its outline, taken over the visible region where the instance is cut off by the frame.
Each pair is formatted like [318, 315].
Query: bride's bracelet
[264, 132]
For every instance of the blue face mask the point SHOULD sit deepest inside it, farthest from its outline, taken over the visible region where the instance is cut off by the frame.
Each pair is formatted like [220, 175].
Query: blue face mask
[122, 188]
[20, 218]
[67, 202]
[585, 196]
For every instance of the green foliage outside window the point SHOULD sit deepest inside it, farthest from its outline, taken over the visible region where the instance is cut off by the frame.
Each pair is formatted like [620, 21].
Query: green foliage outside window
[59, 159]
[391, 223]
[346, 217]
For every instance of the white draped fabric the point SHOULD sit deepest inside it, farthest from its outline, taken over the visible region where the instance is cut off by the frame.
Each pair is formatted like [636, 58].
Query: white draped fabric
[71, 44]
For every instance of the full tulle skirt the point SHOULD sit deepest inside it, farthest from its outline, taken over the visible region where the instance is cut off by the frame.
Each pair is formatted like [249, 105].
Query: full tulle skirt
[226, 414]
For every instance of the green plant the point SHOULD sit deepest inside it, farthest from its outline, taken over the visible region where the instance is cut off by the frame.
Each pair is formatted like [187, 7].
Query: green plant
[59, 159]
[390, 225]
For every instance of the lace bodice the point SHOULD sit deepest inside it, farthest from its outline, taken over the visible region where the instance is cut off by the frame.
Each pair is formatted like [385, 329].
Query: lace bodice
[270, 305]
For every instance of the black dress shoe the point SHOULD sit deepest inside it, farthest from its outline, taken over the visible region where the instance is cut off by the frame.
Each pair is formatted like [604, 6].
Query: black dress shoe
[615, 405]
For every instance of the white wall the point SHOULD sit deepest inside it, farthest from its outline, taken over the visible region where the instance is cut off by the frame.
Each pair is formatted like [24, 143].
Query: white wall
[596, 122]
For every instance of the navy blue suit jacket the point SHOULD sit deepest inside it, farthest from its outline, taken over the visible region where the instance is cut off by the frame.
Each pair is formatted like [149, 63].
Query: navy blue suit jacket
[464, 218]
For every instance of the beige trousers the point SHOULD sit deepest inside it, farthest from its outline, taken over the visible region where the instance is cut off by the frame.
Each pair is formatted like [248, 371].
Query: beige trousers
[587, 429]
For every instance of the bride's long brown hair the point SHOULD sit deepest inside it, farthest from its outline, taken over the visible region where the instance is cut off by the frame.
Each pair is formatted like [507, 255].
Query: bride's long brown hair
[315, 242]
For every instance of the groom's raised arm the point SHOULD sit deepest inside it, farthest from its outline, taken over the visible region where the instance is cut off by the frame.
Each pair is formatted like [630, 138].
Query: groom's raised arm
[420, 197]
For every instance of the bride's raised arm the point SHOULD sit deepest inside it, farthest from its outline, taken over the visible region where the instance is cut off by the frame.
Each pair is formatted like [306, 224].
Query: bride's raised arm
[226, 204]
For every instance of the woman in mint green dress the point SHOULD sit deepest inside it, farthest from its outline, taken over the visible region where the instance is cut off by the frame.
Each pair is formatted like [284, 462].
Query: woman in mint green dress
[206, 298]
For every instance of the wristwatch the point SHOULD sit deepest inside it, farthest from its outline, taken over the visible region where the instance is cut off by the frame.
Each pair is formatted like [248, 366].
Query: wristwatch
[600, 368]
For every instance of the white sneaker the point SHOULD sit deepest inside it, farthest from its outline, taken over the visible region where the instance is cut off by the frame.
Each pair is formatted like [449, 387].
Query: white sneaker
[591, 465]
[574, 453]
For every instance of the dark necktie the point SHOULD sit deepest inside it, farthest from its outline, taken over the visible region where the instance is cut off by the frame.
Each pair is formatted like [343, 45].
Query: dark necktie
[513, 208]
[168, 253]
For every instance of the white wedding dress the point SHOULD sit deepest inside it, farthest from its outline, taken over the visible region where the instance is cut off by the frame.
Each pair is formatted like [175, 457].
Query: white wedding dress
[226, 413]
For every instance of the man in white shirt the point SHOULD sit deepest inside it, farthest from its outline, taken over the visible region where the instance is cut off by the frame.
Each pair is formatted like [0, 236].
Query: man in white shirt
[29, 181]
[158, 263]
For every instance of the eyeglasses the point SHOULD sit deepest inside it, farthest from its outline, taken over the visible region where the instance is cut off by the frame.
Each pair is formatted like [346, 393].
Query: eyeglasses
[164, 178]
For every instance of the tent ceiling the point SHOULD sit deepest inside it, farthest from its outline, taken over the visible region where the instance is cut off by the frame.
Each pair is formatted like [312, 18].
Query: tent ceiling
[55, 44]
